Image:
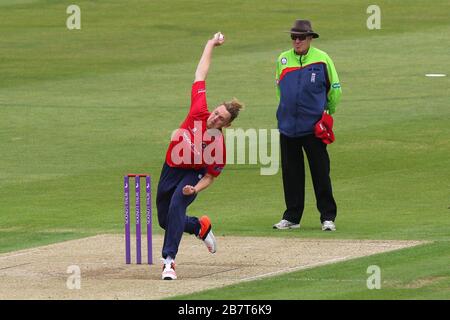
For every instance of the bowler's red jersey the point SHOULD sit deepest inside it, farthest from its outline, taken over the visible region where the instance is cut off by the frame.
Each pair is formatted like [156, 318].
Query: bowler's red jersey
[192, 136]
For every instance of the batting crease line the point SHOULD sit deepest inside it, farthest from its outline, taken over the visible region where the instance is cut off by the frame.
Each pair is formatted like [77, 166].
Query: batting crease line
[15, 255]
[19, 265]
[293, 269]
[210, 274]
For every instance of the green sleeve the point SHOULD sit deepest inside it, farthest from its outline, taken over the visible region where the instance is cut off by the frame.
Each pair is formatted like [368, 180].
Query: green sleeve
[277, 78]
[334, 94]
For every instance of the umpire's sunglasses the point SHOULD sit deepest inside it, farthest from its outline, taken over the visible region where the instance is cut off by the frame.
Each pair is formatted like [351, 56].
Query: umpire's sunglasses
[300, 37]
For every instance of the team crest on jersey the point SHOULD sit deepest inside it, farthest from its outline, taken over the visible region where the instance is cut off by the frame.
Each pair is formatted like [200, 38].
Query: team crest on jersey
[283, 60]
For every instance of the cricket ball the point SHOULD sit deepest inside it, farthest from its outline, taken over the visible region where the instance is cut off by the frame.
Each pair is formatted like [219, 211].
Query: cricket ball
[219, 36]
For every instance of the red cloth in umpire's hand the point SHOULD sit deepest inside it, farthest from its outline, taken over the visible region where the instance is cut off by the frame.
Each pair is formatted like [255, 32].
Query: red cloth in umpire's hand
[324, 129]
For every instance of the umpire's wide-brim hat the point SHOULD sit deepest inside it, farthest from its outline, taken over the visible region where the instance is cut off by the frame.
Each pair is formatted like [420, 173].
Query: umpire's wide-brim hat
[303, 27]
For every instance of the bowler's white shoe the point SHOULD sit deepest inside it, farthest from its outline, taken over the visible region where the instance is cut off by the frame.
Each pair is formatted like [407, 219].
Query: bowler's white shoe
[206, 234]
[328, 226]
[168, 272]
[210, 242]
[284, 224]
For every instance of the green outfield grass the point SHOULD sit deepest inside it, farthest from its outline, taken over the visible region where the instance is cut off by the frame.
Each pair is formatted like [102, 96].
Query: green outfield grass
[80, 108]
[405, 274]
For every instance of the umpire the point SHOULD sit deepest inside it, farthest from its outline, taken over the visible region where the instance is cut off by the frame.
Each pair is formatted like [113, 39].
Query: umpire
[307, 86]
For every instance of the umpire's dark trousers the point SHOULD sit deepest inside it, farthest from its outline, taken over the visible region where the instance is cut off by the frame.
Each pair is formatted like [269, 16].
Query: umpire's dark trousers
[172, 205]
[293, 168]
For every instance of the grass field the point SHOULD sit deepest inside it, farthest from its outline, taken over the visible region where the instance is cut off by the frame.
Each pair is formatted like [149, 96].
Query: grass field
[80, 108]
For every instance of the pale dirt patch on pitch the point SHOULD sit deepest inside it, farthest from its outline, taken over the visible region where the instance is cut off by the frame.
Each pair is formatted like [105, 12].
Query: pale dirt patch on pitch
[41, 273]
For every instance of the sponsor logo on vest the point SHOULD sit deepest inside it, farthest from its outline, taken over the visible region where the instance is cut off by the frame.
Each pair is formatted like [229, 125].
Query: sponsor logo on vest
[336, 85]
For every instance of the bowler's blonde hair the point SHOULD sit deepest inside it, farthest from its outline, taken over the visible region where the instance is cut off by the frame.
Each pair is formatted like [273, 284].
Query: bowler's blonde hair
[233, 107]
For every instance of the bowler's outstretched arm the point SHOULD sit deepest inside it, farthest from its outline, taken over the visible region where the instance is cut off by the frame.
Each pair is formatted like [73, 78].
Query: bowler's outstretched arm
[205, 60]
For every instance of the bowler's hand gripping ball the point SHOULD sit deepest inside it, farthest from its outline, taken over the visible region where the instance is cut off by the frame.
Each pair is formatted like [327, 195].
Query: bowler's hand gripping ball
[218, 36]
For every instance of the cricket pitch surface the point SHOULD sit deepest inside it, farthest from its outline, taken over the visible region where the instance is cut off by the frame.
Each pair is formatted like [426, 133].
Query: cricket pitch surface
[47, 272]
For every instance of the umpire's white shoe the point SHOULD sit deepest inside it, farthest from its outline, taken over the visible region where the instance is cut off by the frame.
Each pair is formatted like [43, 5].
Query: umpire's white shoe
[168, 272]
[328, 226]
[284, 224]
